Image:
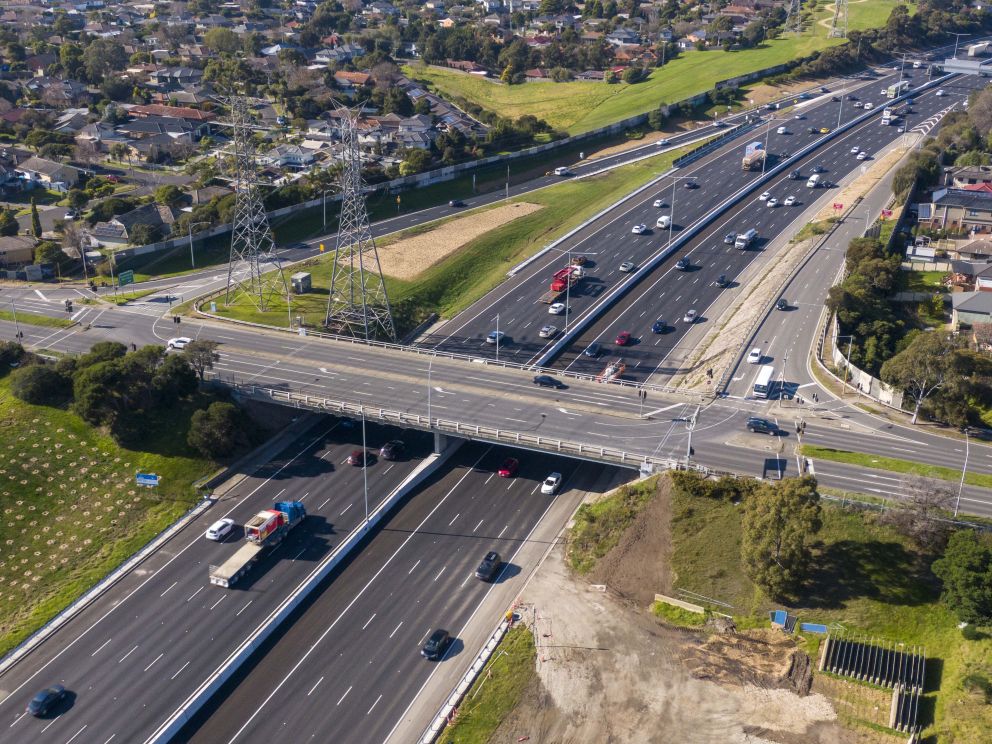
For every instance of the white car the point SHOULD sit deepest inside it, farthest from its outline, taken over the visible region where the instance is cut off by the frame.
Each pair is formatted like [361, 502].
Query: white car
[765, 196]
[659, 203]
[557, 308]
[862, 155]
[548, 331]
[754, 357]
[626, 267]
[901, 130]
[800, 116]
[771, 203]
[494, 337]
[639, 229]
[662, 142]
[855, 150]
[940, 93]
[781, 130]
[219, 529]
[789, 201]
[179, 343]
[551, 484]
[689, 317]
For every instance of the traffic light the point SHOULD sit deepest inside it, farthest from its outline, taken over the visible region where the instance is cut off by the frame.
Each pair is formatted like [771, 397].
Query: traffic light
[175, 319]
[68, 306]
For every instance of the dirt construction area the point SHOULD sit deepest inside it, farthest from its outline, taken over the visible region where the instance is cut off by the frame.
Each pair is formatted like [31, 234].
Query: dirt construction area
[609, 671]
[407, 257]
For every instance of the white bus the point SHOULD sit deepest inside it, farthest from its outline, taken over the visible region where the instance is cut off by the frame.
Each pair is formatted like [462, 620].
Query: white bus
[897, 89]
[763, 382]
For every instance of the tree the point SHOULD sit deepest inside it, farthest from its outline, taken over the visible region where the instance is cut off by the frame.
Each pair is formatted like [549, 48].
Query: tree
[414, 161]
[49, 252]
[217, 431]
[35, 219]
[101, 57]
[39, 384]
[922, 368]
[169, 195]
[920, 513]
[966, 572]
[11, 352]
[201, 356]
[779, 523]
[222, 40]
[8, 222]
[143, 234]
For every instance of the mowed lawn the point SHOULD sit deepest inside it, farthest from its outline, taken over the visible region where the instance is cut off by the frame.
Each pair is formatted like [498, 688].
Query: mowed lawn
[580, 106]
[71, 509]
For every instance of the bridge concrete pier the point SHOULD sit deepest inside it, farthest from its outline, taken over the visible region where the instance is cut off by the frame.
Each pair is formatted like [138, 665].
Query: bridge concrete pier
[443, 441]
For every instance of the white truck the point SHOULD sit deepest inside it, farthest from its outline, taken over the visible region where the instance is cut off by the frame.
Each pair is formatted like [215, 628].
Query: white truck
[745, 239]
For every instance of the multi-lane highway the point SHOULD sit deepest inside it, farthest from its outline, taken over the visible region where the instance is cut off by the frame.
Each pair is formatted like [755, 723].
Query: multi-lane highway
[133, 656]
[350, 665]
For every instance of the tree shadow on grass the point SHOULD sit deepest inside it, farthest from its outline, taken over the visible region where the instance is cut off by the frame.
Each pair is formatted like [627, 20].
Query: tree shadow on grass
[881, 570]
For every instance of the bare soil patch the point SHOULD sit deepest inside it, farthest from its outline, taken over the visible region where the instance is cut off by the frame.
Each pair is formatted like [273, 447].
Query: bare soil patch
[609, 671]
[407, 257]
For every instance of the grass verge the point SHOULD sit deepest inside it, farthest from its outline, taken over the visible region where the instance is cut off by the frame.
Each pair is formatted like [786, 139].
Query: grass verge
[677, 616]
[71, 509]
[895, 465]
[35, 319]
[123, 296]
[865, 577]
[496, 692]
[599, 526]
[481, 264]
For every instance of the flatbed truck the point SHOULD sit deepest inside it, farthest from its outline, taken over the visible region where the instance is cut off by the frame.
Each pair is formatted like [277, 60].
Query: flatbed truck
[263, 532]
[562, 280]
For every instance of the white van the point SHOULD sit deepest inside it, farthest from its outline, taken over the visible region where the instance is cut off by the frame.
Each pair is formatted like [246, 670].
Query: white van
[664, 221]
[869, 106]
[562, 171]
[780, 130]
[940, 93]
[813, 181]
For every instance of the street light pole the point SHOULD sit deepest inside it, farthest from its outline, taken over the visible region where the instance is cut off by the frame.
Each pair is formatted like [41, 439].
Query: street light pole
[189, 227]
[365, 470]
[429, 366]
[690, 425]
[764, 160]
[17, 328]
[497, 337]
[957, 504]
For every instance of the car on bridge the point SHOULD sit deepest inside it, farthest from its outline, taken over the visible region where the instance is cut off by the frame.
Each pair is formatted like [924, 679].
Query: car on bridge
[755, 356]
[549, 381]
[660, 203]
[765, 196]
[436, 644]
[627, 266]
[495, 337]
[593, 350]
[456, 203]
[557, 308]
[45, 700]
[862, 155]
[789, 201]
[722, 281]
[639, 229]
[773, 202]
[508, 468]
[683, 264]
[855, 150]
[548, 331]
[782, 304]
[551, 484]
[690, 185]
[729, 238]
[489, 567]
[623, 338]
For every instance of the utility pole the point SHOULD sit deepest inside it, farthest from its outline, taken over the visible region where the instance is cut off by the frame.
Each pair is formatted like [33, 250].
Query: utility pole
[964, 470]
[17, 328]
[365, 470]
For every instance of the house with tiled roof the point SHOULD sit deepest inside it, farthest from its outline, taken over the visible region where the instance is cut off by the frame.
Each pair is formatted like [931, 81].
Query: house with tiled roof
[48, 174]
[957, 211]
[118, 230]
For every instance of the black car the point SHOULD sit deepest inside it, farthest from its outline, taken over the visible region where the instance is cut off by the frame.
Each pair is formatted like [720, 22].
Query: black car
[549, 381]
[489, 567]
[722, 281]
[795, 175]
[782, 304]
[456, 203]
[658, 326]
[690, 185]
[813, 130]
[593, 350]
[818, 168]
[683, 264]
[762, 426]
[834, 99]
[392, 450]
[45, 700]
[436, 645]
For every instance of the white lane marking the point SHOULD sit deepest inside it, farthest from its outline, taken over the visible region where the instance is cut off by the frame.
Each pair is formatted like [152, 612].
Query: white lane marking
[502, 531]
[299, 554]
[167, 590]
[395, 629]
[51, 724]
[345, 509]
[413, 567]
[325, 503]
[155, 660]
[341, 700]
[222, 597]
[70, 739]
[17, 719]
[180, 670]
[439, 573]
[38, 292]
[194, 594]
[100, 649]
[236, 614]
[369, 621]
[127, 654]
[478, 525]
[303, 496]
[373, 705]
[315, 687]
[453, 519]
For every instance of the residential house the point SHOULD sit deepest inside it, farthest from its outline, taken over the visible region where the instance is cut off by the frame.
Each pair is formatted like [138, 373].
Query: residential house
[970, 308]
[198, 120]
[975, 250]
[101, 135]
[962, 177]
[289, 156]
[957, 211]
[72, 120]
[57, 92]
[16, 250]
[149, 126]
[119, 230]
[351, 81]
[622, 37]
[48, 174]
[176, 78]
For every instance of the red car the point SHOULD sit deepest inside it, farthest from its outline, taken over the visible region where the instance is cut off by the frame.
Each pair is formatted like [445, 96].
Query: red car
[509, 468]
[623, 339]
[358, 458]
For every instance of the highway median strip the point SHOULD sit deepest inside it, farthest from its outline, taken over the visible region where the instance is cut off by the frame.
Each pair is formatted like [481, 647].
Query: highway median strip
[895, 465]
[36, 320]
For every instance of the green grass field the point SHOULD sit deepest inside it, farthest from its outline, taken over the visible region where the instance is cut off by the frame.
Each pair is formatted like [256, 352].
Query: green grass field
[895, 465]
[600, 525]
[497, 690]
[867, 578]
[466, 275]
[35, 319]
[579, 106]
[71, 509]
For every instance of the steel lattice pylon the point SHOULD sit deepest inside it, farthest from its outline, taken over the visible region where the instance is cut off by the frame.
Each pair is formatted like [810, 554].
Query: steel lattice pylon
[252, 244]
[838, 26]
[357, 305]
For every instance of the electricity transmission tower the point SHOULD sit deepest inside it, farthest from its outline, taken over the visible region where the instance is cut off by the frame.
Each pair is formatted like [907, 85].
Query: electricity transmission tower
[357, 305]
[838, 26]
[793, 17]
[252, 244]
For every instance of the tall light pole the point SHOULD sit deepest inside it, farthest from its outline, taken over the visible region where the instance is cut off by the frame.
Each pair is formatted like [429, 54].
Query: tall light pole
[847, 368]
[964, 470]
[840, 109]
[957, 38]
[189, 227]
[497, 337]
[429, 365]
[365, 470]
[17, 328]
[671, 222]
[690, 424]
[764, 160]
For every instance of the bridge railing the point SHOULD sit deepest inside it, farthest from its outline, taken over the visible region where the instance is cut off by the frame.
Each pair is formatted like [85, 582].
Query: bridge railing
[449, 426]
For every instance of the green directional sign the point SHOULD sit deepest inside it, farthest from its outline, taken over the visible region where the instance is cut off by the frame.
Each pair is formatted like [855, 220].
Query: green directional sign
[125, 278]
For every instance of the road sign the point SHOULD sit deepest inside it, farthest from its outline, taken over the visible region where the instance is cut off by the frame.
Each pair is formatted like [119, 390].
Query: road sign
[886, 213]
[838, 206]
[125, 278]
[146, 479]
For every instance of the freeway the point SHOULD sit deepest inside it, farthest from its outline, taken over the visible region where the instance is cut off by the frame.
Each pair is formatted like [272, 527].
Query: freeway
[350, 664]
[132, 657]
[607, 241]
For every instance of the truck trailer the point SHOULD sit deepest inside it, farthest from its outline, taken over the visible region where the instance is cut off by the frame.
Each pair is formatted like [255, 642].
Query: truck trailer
[754, 156]
[562, 280]
[263, 532]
